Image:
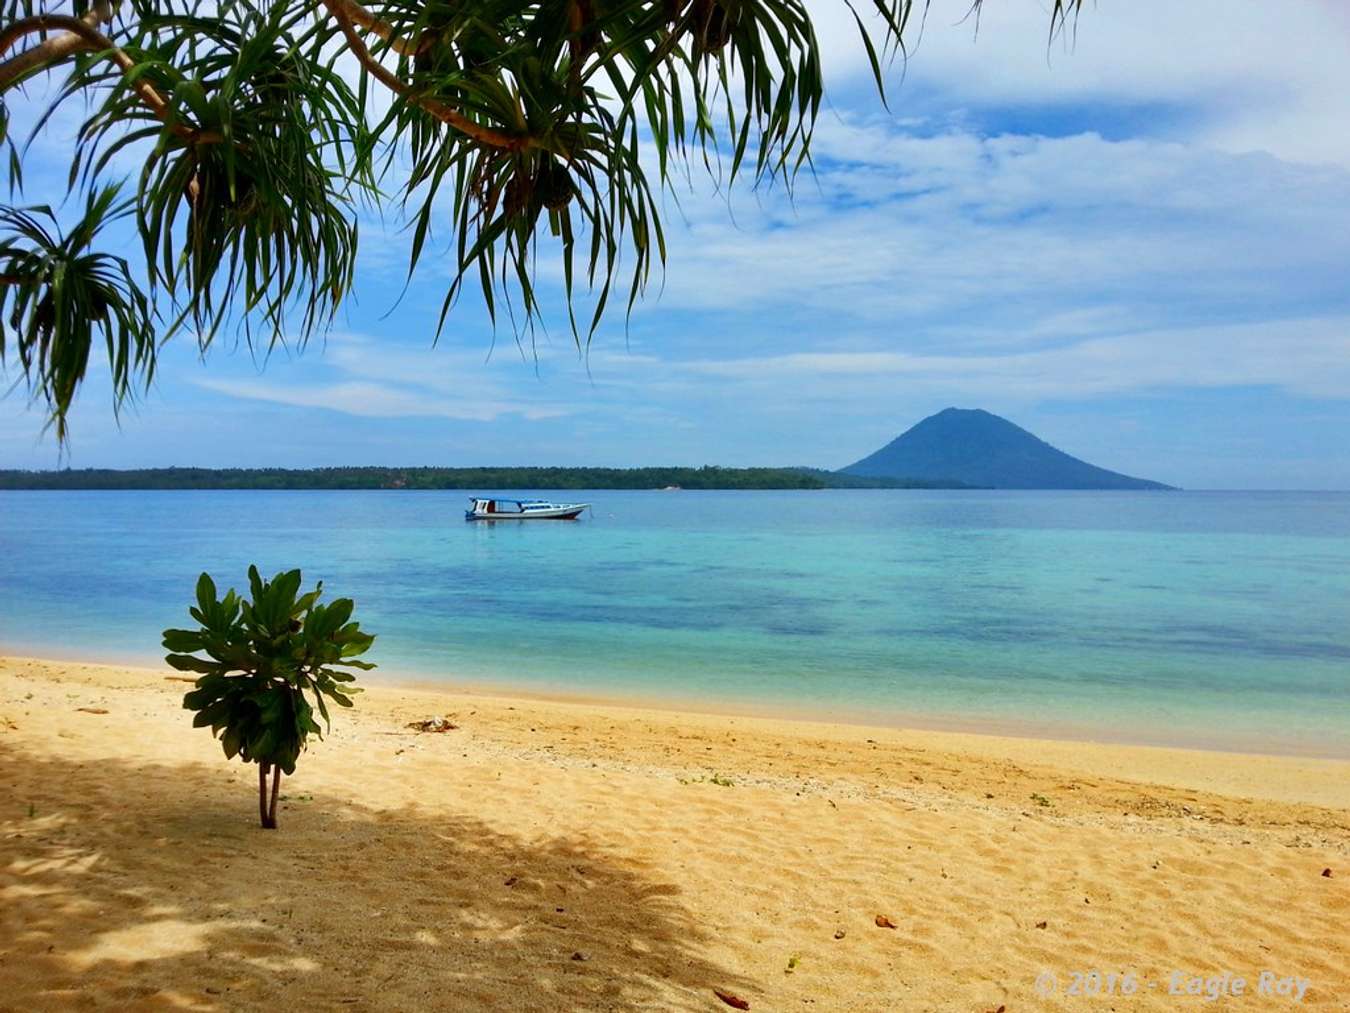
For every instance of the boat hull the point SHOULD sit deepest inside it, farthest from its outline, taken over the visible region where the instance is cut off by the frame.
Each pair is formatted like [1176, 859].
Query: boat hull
[568, 514]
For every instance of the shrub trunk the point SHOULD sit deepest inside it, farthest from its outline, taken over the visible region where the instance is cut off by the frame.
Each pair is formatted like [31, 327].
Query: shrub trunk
[267, 806]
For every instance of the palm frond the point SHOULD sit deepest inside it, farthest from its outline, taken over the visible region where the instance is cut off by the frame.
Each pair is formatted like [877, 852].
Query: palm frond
[57, 295]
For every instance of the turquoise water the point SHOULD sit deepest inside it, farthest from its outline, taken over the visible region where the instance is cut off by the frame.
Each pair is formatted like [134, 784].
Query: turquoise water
[1216, 619]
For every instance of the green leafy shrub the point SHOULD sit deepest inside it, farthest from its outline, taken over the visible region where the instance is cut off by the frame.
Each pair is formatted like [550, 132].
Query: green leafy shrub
[264, 659]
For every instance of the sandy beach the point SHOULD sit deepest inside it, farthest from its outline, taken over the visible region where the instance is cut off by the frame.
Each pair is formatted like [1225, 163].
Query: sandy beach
[578, 856]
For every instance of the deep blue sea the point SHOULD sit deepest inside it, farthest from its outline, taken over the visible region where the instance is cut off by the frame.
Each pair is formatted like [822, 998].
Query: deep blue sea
[1214, 619]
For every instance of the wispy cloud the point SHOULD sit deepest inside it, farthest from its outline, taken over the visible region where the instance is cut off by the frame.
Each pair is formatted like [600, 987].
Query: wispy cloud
[905, 228]
[1251, 76]
[1303, 357]
[357, 375]
[376, 400]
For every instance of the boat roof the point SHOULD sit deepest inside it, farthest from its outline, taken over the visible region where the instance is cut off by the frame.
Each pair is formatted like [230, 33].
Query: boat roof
[519, 502]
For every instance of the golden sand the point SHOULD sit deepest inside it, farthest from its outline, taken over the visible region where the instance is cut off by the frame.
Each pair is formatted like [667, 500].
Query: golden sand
[558, 856]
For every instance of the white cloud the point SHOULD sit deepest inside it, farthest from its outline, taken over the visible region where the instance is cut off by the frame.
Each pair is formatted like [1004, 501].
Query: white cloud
[961, 239]
[1260, 76]
[359, 376]
[375, 400]
[1304, 357]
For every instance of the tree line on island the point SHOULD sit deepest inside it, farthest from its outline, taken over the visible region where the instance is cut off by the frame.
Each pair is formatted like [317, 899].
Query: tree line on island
[707, 477]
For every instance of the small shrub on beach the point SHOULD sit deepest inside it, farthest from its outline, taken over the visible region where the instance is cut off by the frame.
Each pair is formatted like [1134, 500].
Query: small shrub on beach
[264, 659]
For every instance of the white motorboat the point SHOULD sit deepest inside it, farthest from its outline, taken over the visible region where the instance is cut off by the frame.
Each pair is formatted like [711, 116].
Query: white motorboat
[522, 510]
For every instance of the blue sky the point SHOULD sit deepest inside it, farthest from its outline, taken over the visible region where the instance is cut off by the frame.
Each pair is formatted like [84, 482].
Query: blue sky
[1136, 248]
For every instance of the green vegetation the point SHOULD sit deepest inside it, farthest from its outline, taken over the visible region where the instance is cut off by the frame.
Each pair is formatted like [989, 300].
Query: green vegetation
[94, 291]
[473, 479]
[262, 657]
[843, 480]
[250, 137]
[478, 479]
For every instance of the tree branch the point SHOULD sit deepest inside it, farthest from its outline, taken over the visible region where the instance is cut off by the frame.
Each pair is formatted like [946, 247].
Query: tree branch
[342, 11]
[82, 35]
[362, 18]
[577, 16]
[49, 51]
[86, 37]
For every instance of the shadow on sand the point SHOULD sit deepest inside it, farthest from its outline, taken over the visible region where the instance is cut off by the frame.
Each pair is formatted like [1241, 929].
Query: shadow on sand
[148, 887]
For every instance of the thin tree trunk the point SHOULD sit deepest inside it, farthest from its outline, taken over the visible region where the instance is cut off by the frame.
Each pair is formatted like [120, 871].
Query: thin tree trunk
[265, 817]
[276, 785]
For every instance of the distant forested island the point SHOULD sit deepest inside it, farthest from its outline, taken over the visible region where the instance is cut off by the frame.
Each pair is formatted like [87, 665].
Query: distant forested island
[708, 477]
[957, 448]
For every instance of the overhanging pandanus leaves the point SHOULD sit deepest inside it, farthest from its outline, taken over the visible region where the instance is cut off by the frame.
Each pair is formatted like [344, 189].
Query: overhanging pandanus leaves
[244, 203]
[58, 296]
[255, 130]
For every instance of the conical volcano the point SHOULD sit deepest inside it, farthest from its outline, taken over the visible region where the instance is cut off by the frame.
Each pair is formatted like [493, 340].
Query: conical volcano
[976, 447]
